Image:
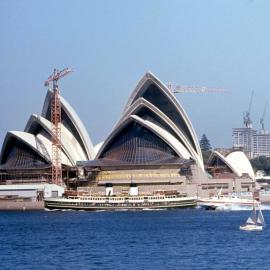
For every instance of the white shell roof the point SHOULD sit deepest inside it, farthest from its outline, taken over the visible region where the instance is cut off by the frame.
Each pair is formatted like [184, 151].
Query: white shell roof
[28, 139]
[33, 142]
[73, 149]
[174, 102]
[141, 102]
[75, 120]
[237, 162]
[97, 147]
[69, 143]
[160, 132]
[183, 142]
[47, 143]
[187, 147]
[220, 156]
[240, 162]
[165, 136]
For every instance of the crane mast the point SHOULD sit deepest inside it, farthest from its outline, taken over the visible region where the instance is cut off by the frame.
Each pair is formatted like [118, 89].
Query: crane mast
[247, 118]
[263, 115]
[56, 124]
[192, 89]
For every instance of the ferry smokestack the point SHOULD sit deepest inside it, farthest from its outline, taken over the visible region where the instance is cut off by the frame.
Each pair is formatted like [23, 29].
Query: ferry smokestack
[109, 189]
[133, 190]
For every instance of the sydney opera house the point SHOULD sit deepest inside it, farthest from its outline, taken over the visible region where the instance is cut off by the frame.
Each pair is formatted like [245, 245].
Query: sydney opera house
[26, 155]
[153, 144]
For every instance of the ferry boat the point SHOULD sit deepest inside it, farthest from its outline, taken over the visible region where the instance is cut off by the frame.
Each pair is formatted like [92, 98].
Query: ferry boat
[223, 202]
[130, 202]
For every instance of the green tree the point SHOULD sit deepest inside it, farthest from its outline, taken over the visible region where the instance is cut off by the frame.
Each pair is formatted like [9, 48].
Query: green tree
[205, 144]
[205, 147]
[261, 163]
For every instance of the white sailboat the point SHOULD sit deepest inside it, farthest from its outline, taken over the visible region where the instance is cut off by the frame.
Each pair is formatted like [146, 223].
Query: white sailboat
[255, 222]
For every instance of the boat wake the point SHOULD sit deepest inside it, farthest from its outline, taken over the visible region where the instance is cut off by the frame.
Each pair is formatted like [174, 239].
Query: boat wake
[265, 207]
[50, 210]
[240, 207]
[152, 209]
[234, 208]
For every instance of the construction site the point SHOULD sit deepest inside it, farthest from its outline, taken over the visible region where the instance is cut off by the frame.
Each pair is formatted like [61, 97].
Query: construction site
[153, 145]
[253, 142]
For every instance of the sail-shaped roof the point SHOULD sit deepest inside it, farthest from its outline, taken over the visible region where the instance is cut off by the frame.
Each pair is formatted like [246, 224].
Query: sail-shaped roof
[27, 150]
[135, 141]
[157, 93]
[236, 161]
[153, 106]
[216, 159]
[21, 149]
[153, 128]
[147, 111]
[72, 122]
[240, 162]
[34, 144]
[70, 146]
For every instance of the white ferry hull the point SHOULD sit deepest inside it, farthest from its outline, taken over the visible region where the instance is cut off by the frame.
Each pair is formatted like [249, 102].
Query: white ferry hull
[63, 204]
[212, 204]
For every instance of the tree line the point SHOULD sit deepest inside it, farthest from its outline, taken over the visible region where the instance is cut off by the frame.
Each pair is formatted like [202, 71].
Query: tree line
[261, 163]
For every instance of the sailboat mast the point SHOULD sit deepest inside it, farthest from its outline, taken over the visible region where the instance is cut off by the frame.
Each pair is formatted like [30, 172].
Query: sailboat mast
[254, 210]
[253, 203]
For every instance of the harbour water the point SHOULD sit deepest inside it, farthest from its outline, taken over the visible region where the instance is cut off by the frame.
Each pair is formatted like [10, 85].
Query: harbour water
[176, 239]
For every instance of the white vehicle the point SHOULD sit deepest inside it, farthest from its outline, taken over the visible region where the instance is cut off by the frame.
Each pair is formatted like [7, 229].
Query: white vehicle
[222, 202]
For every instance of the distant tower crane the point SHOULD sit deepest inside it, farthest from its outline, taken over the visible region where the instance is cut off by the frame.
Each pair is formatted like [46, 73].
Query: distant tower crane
[56, 125]
[192, 89]
[247, 118]
[263, 115]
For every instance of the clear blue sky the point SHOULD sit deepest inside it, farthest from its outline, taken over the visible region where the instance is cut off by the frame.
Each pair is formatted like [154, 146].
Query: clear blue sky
[111, 44]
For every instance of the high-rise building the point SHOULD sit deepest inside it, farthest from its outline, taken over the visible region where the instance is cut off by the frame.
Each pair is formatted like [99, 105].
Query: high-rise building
[261, 144]
[254, 143]
[243, 138]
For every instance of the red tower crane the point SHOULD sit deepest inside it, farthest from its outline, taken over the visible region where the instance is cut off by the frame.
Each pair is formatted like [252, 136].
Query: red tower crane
[56, 125]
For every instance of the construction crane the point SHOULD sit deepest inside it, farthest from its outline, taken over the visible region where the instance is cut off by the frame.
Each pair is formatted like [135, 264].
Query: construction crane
[247, 118]
[193, 89]
[263, 115]
[56, 124]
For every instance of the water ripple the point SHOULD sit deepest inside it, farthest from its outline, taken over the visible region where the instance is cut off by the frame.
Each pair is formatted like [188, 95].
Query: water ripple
[178, 239]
